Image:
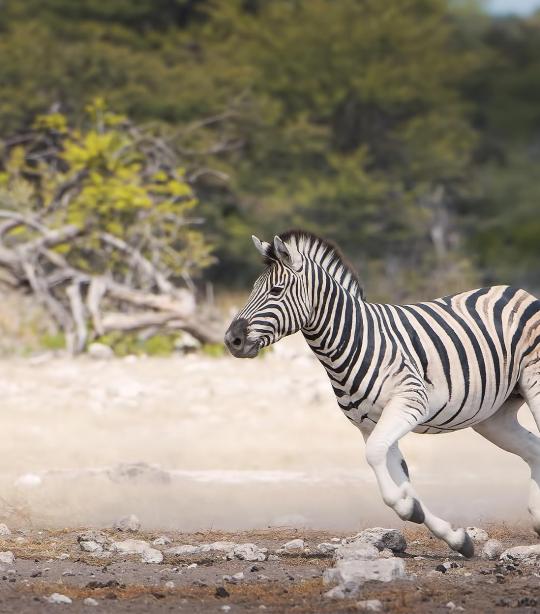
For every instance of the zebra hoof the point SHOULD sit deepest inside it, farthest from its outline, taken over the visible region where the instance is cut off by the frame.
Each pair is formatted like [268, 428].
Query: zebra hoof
[467, 548]
[417, 514]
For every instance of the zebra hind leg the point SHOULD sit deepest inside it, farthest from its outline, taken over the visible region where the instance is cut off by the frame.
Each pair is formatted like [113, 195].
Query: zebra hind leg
[382, 453]
[504, 430]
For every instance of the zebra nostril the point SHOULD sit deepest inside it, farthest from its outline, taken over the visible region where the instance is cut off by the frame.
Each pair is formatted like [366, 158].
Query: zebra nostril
[237, 342]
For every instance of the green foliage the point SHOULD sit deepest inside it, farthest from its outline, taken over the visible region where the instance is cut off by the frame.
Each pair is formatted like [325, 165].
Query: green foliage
[109, 181]
[125, 344]
[348, 118]
[51, 341]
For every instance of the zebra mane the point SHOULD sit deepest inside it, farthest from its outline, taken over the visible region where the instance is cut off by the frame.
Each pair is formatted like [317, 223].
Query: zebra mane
[325, 253]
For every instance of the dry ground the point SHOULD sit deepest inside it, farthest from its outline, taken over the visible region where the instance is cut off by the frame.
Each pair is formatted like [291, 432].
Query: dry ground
[293, 583]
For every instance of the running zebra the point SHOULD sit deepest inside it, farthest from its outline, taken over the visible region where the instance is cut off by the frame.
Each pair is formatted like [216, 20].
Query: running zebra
[467, 360]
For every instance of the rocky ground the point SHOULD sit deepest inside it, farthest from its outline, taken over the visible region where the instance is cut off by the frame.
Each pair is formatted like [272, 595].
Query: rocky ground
[105, 571]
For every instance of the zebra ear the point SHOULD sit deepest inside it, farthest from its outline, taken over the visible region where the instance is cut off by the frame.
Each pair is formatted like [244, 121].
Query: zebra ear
[288, 254]
[262, 246]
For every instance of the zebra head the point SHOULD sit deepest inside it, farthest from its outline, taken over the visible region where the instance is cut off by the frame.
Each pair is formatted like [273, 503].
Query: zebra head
[278, 305]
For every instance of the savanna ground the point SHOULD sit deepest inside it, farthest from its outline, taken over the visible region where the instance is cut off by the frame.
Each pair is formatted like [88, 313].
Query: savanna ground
[204, 449]
[293, 583]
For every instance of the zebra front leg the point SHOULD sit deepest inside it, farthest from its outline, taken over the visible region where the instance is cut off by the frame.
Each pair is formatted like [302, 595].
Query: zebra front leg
[384, 457]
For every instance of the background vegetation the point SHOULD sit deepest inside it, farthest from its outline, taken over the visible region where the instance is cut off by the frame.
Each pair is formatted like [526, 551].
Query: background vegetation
[406, 130]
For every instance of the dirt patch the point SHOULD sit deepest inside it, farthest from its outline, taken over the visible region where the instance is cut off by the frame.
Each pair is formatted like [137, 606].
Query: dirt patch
[52, 562]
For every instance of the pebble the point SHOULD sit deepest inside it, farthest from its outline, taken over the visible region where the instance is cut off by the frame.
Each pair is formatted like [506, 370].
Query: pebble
[522, 553]
[351, 574]
[381, 539]
[4, 529]
[162, 540]
[295, 545]
[90, 601]
[58, 598]
[127, 523]
[452, 606]
[492, 549]
[7, 557]
[247, 552]
[476, 534]
[151, 555]
[100, 351]
[169, 584]
[370, 605]
[327, 547]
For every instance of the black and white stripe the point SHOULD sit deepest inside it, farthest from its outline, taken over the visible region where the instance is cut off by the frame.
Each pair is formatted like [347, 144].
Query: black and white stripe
[432, 367]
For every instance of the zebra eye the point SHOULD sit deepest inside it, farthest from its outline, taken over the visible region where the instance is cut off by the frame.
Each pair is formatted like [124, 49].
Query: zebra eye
[275, 290]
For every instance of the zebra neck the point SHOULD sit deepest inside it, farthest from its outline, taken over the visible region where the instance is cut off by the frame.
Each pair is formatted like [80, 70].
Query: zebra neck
[336, 325]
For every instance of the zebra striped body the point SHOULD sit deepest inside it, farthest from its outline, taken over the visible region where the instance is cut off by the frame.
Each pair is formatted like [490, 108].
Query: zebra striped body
[467, 360]
[464, 352]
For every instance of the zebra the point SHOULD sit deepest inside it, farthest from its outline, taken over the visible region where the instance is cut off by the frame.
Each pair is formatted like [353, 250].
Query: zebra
[466, 360]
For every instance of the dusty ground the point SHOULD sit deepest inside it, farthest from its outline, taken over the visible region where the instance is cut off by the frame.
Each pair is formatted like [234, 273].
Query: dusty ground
[293, 583]
[195, 445]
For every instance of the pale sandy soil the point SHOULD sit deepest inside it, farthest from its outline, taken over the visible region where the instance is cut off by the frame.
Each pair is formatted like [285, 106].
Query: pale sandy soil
[240, 445]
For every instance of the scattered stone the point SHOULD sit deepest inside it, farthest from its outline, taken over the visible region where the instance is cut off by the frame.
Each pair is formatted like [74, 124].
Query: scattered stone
[151, 555]
[100, 351]
[63, 556]
[58, 598]
[221, 592]
[336, 540]
[452, 606]
[130, 546]
[381, 539]
[370, 605]
[356, 551]
[476, 534]
[386, 553]
[343, 591]
[492, 549]
[4, 530]
[127, 523]
[358, 571]
[225, 608]
[327, 547]
[192, 566]
[7, 557]
[273, 557]
[293, 546]
[91, 546]
[162, 540]
[90, 601]
[169, 584]
[68, 573]
[247, 552]
[238, 576]
[521, 553]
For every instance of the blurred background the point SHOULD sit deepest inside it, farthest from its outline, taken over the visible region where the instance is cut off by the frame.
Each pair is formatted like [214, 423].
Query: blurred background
[142, 142]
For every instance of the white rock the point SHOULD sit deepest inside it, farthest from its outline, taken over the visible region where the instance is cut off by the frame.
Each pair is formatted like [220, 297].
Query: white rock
[327, 547]
[162, 540]
[58, 598]
[192, 566]
[370, 605]
[226, 608]
[356, 551]
[381, 539]
[7, 557]
[452, 606]
[217, 547]
[130, 546]
[169, 584]
[238, 576]
[90, 601]
[4, 530]
[492, 549]
[91, 546]
[522, 553]
[187, 343]
[295, 545]
[127, 523]
[359, 571]
[476, 534]
[63, 556]
[151, 555]
[100, 351]
[343, 591]
[247, 552]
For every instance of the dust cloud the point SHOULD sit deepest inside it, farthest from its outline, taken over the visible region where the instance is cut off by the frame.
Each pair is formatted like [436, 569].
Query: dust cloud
[196, 442]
